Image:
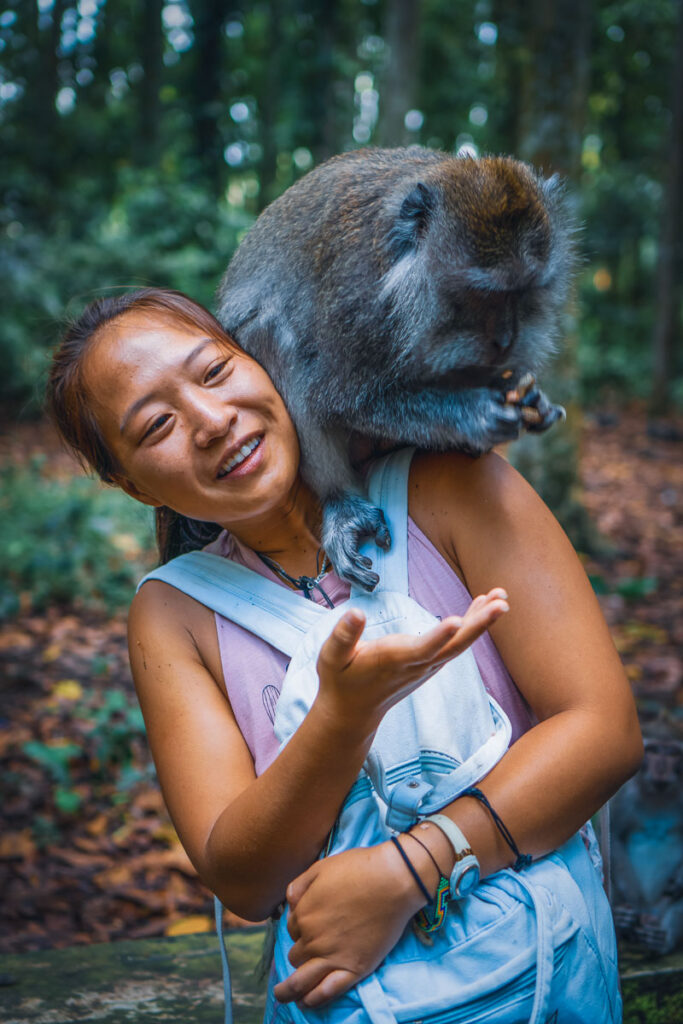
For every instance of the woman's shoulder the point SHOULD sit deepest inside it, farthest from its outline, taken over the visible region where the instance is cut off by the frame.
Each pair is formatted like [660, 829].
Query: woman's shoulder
[158, 603]
[453, 474]
[172, 624]
[458, 501]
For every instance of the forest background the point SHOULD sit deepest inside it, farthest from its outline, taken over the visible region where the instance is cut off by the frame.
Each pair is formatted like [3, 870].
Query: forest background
[139, 142]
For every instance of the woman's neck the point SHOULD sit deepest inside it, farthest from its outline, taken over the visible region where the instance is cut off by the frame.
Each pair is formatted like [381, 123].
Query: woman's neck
[290, 533]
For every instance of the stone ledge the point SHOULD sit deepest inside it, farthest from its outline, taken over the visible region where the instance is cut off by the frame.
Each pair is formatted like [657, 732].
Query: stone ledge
[147, 981]
[178, 981]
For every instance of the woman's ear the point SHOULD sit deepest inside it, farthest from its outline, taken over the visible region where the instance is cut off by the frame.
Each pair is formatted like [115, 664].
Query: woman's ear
[129, 487]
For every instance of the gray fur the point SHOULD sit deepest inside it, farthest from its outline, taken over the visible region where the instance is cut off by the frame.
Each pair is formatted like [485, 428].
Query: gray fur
[382, 296]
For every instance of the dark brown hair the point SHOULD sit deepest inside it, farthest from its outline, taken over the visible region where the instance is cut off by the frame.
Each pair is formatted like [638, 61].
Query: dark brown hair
[68, 405]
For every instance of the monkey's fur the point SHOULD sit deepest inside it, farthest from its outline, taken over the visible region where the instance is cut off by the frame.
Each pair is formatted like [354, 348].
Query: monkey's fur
[385, 293]
[647, 844]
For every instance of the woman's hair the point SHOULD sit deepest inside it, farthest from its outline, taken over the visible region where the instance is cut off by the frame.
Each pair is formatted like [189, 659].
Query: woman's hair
[69, 406]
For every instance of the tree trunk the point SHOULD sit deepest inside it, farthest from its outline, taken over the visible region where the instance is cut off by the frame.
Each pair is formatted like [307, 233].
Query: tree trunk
[47, 155]
[323, 86]
[670, 261]
[555, 83]
[152, 52]
[399, 83]
[554, 93]
[268, 107]
[209, 16]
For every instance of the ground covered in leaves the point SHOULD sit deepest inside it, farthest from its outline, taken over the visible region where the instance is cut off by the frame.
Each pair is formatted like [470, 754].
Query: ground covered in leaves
[87, 852]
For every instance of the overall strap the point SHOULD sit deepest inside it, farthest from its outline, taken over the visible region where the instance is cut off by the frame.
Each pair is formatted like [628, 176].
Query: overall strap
[388, 488]
[278, 616]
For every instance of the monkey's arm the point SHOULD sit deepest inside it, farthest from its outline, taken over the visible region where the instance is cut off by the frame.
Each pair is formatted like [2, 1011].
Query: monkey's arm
[472, 420]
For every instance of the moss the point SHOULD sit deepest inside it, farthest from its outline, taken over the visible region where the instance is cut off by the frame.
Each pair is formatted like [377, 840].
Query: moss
[155, 981]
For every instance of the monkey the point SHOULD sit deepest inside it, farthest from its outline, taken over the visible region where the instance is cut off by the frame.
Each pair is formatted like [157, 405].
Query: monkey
[408, 296]
[647, 845]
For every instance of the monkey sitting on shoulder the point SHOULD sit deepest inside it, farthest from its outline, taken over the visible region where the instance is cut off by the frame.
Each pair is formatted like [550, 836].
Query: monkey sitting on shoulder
[404, 295]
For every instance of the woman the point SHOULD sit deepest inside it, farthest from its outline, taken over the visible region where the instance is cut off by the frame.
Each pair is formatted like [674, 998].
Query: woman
[150, 393]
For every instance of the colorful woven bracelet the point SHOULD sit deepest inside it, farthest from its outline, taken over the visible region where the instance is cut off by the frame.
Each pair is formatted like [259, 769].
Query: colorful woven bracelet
[431, 917]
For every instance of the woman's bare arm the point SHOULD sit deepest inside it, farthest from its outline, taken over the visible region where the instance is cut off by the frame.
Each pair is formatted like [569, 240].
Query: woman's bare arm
[490, 526]
[247, 836]
[489, 523]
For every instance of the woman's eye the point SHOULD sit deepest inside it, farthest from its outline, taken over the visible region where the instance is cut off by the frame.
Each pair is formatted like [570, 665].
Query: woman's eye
[214, 371]
[156, 425]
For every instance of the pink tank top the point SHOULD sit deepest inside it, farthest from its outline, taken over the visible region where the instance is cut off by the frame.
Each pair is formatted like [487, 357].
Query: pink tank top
[253, 670]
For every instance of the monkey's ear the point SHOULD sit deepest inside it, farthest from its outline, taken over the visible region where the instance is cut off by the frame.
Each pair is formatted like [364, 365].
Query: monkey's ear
[412, 219]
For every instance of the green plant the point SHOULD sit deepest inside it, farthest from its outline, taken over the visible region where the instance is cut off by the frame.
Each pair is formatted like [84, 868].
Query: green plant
[117, 725]
[68, 542]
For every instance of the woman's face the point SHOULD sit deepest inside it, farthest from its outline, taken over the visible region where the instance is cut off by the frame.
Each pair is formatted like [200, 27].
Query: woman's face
[180, 412]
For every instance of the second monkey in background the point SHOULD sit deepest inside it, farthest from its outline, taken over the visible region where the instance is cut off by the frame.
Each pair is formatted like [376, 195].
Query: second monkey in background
[409, 296]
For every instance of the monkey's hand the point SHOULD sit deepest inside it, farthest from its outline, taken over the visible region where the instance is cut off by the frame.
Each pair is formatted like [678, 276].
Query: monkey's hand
[537, 412]
[625, 917]
[651, 931]
[348, 519]
[480, 418]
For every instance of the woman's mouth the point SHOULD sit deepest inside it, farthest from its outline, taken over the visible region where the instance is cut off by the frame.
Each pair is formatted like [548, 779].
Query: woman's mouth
[239, 458]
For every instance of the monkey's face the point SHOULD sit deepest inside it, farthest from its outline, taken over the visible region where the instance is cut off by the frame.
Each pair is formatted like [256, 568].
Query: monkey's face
[482, 259]
[662, 766]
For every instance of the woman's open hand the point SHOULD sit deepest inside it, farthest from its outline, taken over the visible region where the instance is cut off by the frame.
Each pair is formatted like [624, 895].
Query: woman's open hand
[345, 914]
[360, 680]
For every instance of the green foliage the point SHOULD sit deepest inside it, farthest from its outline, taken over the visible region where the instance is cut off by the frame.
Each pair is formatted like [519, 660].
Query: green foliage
[154, 232]
[635, 588]
[55, 758]
[632, 588]
[110, 753]
[113, 730]
[655, 998]
[68, 542]
[108, 182]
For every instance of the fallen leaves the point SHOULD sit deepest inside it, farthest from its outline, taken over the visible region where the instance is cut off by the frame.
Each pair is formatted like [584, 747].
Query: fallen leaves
[190, 925]
[70, 735]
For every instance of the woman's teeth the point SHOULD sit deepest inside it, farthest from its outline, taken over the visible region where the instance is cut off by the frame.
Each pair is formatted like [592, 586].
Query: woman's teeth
[239, 456]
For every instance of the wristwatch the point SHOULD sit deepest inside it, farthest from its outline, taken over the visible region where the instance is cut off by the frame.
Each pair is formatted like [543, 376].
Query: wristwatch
[465, 874]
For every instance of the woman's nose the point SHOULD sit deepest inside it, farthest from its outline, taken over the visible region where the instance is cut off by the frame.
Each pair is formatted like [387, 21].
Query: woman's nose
[211, 418]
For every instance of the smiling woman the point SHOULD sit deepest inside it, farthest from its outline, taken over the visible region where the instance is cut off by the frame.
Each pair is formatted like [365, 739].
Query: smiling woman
[152, 397]
[158, 400]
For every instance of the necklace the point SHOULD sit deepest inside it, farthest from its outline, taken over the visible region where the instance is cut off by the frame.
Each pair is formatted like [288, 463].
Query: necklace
[304, 583]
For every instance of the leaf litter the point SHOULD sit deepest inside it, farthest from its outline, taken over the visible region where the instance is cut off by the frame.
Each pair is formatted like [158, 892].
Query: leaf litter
[87, 850]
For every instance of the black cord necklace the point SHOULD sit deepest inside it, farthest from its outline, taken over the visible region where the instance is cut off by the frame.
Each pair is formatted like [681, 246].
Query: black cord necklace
[303, 583]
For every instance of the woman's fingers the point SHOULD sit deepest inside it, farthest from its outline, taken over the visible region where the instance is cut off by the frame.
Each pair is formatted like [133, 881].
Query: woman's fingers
[330, 987]
[298, 886]
[338, 649]
[450, 636]
[314, 983]
[303, 980]
[475, 623]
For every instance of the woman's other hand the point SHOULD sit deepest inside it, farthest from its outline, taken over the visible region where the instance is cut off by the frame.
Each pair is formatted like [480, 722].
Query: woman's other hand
[345, 914]
[360, 680]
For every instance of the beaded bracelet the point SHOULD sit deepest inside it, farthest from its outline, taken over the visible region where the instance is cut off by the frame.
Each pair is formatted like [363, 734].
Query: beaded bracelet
[523, 860]
[431, 917]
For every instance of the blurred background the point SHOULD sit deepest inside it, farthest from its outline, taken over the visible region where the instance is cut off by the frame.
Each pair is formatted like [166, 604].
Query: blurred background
[139, 142]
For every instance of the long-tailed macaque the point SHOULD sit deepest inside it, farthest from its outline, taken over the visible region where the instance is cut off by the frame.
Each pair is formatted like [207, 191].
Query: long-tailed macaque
[409, 296]
[647, 845]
